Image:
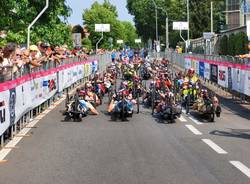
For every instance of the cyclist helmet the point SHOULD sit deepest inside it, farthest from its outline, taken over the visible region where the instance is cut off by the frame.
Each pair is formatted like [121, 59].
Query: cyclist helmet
[191, 71]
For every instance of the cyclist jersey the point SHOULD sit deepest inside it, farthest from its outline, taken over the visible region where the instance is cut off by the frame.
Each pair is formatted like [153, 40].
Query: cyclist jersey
[193, 80]
[168, 83]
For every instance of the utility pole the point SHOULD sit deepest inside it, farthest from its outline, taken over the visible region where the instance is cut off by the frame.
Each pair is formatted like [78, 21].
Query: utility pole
[212, 19]
[34, 21]
[188, 18]
[167, 35]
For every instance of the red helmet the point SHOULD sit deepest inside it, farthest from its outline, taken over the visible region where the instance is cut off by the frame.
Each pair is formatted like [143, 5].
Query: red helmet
[82, 93]
[191, 71]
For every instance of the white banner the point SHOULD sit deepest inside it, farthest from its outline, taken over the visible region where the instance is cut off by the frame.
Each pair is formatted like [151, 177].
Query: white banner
[4, 111]
[197, 68]
[222, 76]
[187, 63]
[247, 83]
[236, 79]
[207, 71]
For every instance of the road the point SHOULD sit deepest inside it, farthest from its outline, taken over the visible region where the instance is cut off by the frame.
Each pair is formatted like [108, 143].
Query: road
[142, 150]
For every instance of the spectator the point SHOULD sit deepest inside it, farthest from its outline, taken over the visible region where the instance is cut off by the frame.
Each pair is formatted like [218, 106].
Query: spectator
[6, 66]
[33, 60]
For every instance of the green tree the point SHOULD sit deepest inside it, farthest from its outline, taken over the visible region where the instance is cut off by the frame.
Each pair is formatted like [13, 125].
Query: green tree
[17, 15]
[231, 45]
[144, 17]
[130, 34]
[86, 43]
[100, 14]
[224, 45]
[241, 41]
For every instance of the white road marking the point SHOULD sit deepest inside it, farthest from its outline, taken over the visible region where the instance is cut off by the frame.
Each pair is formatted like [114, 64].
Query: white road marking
[192, 118]
[182, 119]
[23, 132]
[193, 129]
[195, 120]
[244, 169]
[214, 146]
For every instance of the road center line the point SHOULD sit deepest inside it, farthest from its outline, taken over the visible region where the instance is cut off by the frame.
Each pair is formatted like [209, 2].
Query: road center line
[182, 119]
[194, 120]
[193, 129]
[244, 169]
[214, 146]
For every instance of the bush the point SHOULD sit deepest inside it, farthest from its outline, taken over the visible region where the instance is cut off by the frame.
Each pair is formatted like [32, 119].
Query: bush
[86, 43]
[224, 45]
[241, 41]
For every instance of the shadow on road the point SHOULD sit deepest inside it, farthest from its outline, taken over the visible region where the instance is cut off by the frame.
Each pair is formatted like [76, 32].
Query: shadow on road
[235, 108]
[237, 133]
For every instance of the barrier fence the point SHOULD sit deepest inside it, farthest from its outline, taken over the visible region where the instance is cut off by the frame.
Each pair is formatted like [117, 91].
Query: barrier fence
[231, 74]
[28, 95]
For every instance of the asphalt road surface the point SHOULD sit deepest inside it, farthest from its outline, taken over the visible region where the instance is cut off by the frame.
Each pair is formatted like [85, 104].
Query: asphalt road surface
[142, 150]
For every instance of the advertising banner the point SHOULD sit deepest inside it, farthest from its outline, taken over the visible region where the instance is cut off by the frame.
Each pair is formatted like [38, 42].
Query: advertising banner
[196, 66]
[229, 76]
[187, 63]
[19, 96]
[236, 79]
[4, 111]
[201, 69]
[207, 71]
[247, 83]
[222, 76]
[214, 73]
[193, 64]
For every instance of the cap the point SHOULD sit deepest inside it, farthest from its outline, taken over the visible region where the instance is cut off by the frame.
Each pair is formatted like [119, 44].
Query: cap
[34, 48]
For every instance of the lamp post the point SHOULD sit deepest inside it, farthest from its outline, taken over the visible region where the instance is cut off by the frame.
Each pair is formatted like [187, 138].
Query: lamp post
[156, 23]
[34, 21]
[188, 17]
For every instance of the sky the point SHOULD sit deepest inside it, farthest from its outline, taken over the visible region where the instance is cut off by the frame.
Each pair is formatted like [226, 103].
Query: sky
[77, 7]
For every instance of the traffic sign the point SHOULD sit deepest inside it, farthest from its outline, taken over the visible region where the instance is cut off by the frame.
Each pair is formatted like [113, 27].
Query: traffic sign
[208, 35]
[102, 27]
[137, 40]
[180, 26]
[119, 41]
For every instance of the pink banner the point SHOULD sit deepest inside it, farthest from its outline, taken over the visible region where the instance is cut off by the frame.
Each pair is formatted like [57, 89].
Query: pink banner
[14, 83]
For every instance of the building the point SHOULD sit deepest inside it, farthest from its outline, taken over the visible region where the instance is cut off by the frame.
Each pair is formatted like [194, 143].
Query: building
[237, 13]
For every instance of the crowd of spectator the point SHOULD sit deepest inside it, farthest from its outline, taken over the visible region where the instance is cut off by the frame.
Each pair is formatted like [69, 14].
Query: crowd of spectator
[15, 60]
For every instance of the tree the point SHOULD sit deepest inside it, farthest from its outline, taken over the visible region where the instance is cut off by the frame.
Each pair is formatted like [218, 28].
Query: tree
[17, 15]
[224, 45]
[100, 14]
[241, 41]
[231, 45]
[130, 34]
[86, 43]
[144, 17]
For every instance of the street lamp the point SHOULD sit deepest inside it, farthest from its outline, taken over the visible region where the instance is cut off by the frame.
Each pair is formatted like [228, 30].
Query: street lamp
[188, 23]
[167, 32]
[156, 21]
[34, 21]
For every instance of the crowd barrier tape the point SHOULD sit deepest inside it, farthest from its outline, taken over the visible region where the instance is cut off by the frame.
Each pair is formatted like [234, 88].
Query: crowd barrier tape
[226, 74]
[19, 96]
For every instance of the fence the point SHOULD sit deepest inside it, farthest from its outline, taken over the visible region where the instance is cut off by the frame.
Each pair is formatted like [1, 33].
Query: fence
[229, 73]
[28, 95]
